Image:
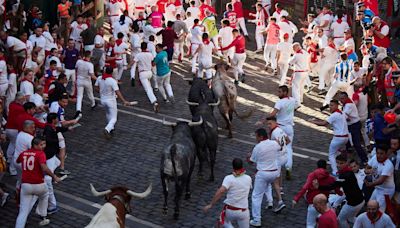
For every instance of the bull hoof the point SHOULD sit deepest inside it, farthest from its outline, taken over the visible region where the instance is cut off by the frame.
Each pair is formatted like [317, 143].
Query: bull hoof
[165, 210]
[188, 195]
[176, 215]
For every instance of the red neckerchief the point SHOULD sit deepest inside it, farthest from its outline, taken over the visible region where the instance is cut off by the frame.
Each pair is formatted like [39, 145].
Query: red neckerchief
[347, 101]
[168, 28]
[356, 96]
[13, 71]
[105, 76]
[194, 26]
[239, 172]
[299, 51]
[119, 41]
[378, 216]
[329, 12]
[350, 52]
[206, 41]
[285, 20]
[338, 110]
[2, 58]
[99, 34]
[278, 10]
[272, 130]
[25, 79]
[332, 45]
[28, 133]
[348, 38]
[339, 20]
[345, 169]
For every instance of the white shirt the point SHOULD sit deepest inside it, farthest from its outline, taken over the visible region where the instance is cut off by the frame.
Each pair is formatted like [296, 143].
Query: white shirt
[330, 56]
[279, 15]
[148, 30]
[338, 122]
[358, 75]
[56, 108]
[117, 28]
[49, 59]
[194, 12]
[326, 17]
[107, 88]
[362, 106]
[12, 86]
[123, 47]
[300, 61]
[22, 143]
[84, 70]
[3, 72]
[349, 44]
[385, 30]
[15, 43]
[338, 29]
[144, 60]
[285, 107]
[29, 48]
[226, 35]
[152, 48]
[76, 30]
[196, 35]
[238, 190]
[189, 22]
[322, 41]
[38, 41]
[205, 54]
[360, 175]
[285, 49]
[135, 43]
[280, 136]
[362, 221]
[49, 41]
[286, 28]
[170, 11]
[350, 109]
[26, 88]
[115, 9]
[37, 99]
[383, 169]
[265, 154]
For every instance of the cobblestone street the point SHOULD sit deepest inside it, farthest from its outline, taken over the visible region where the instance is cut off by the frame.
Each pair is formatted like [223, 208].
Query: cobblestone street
[132, 157]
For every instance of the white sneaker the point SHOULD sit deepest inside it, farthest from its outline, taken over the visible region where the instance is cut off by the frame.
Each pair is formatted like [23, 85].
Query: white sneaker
[269, 206]
[4, 199]
[44, 222]
[255, 223]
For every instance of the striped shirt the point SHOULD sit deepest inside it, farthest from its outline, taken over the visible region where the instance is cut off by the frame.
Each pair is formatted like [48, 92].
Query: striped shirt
[343, 70]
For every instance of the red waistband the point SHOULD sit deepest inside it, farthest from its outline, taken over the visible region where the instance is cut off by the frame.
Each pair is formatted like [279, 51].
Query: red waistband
[234, 208]
[139, 7]
[338, 37]
[240, 52]
[300, 71]
[341, 136]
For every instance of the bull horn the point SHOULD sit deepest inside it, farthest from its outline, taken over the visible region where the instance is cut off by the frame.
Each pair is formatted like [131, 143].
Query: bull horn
[192, 103]
[192, 124]
[167, 123]
[140, 195]
[214, 104]
[96, 193]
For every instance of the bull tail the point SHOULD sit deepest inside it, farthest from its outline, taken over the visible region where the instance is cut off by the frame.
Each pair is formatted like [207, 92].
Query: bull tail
[173, 154]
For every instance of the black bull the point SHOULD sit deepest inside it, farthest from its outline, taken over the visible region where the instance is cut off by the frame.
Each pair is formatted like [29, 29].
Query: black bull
[177, 162]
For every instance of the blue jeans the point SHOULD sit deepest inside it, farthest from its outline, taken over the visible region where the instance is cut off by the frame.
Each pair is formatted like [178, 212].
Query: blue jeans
[355, 131]
[170, 52]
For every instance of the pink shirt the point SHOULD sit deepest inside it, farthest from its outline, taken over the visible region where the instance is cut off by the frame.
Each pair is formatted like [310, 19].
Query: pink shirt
[273, 33]
[156, 19]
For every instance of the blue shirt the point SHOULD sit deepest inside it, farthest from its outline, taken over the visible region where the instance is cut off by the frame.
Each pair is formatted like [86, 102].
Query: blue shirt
[71, 57]
[161, 61]
[353, 56]
[344, 69]
[379, 125]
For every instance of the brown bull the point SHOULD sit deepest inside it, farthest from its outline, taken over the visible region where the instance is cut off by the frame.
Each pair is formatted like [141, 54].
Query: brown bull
[112, 213]
[225, 90]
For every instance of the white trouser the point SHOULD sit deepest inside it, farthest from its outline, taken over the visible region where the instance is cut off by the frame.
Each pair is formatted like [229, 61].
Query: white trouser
[259, 36]
[78, 44]
[84, 85]
[52, 164]
[71, 76]
[120, 69]
[315, 67]
[178, 49]
[348, 214]
[28, 194]
[283, 69]
[194, 48]
[270, 55]
[364, 132]
[312, 215]
[206, 66]
[262, 180]
[89, 48]
[237, 63]
[228, 54]
[379, 195]
[325, 74]
[298, 86]
[12, 136]
[338, 42]
[113, 19]
[165, 85]
[338, 85]
[111, 112]
[241, 23]
[336, 144]
[3, 89]
[145, 77]
[288, 129]
[242, 218]
[154, 78]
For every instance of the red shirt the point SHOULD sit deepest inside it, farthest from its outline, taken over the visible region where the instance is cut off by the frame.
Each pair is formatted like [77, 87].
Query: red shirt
[110, 53]
[239, 43]
[25, 116]
[14, 110]
[161, 5]
[238, 8]
[30, 163]
[168, 37]
[203, 9]
[328, 220]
